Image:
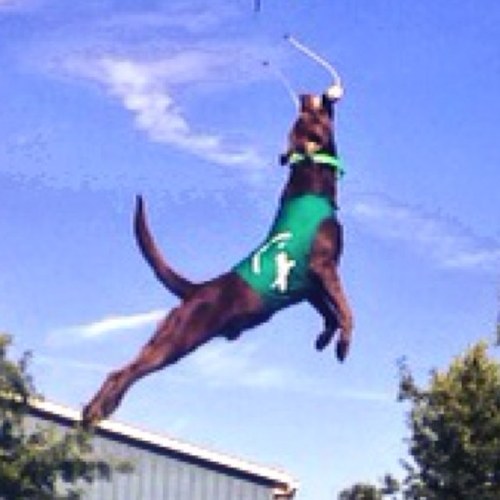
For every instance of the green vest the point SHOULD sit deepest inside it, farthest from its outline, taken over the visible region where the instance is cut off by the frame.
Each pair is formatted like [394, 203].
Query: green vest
[278, 270]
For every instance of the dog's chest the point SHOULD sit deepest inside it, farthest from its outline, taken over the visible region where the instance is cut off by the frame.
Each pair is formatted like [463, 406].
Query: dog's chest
[278, 269]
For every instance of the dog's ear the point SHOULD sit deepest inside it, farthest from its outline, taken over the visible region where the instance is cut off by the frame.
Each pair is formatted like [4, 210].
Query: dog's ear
[327, 104]
[306, 103]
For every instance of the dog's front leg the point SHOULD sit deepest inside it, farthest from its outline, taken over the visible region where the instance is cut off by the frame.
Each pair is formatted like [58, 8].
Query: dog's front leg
[333, 286]
[323, 264]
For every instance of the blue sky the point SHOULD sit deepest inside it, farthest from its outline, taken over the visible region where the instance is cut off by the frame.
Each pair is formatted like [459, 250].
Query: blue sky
[105, 99]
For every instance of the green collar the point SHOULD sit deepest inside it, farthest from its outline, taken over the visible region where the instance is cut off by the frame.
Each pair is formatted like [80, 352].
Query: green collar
[322, 158]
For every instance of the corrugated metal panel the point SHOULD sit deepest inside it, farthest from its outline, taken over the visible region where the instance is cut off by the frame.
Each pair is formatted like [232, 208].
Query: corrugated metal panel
[285, 485]
[162, 475]
[157, 476]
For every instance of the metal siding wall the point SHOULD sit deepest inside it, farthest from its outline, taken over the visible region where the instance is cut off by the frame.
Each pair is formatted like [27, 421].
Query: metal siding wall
[159, 476]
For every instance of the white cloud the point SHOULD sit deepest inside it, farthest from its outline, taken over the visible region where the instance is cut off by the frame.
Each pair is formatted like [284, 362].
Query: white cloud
[103, 327]
[446, 241]
[146, 89]
[151, 60]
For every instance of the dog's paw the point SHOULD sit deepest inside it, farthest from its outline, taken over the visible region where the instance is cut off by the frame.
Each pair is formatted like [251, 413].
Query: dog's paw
[323, 339]
[89, 419]
[342, 348]
[231, 336]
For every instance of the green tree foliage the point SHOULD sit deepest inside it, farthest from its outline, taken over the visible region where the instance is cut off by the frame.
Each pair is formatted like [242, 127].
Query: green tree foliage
[455, 430]
[38, 463]
[361, 491]
[366, 491]
[454, 442]
[497, 332]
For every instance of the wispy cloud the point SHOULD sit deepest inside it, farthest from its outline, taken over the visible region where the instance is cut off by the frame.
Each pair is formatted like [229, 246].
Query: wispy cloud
[143, 90]
[243, 366]
[151, 76]
[445, 240]
[147, 86]
[103, 327]
[227, 364]
[218, 364]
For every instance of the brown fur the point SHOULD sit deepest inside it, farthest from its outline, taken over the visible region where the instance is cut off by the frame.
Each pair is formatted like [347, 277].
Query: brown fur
[226, 305]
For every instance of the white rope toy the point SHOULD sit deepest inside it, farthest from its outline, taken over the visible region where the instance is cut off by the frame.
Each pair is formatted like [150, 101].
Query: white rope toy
[335, 91]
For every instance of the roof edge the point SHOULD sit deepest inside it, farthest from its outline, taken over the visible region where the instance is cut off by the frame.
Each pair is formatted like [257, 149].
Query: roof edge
[284, 483]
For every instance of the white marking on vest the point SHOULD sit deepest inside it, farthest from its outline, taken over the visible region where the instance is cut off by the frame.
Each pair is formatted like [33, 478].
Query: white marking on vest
[284, 266]
[280, 240]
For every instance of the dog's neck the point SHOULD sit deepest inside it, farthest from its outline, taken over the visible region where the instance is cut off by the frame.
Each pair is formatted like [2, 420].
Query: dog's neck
[312, 152]
[308, 177]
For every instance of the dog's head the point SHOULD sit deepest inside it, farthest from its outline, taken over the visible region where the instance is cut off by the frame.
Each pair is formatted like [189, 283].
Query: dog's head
[312, 131]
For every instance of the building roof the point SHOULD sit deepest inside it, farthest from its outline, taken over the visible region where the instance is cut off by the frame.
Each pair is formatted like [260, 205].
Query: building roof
[283, 483]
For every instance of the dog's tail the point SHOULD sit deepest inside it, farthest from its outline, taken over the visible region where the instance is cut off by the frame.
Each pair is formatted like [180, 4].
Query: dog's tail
[172, 280]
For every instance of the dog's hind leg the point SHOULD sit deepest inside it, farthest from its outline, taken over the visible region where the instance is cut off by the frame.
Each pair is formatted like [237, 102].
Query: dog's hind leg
[196, 321]
[185, 328]
[323, 263]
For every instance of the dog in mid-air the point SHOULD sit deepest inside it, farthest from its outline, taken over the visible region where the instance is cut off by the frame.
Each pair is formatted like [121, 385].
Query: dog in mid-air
[296, 262]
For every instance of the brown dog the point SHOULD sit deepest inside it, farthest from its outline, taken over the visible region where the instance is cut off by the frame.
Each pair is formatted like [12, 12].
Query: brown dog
[285, 269]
